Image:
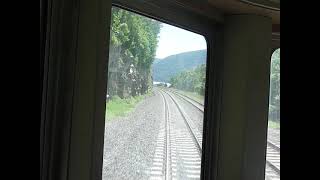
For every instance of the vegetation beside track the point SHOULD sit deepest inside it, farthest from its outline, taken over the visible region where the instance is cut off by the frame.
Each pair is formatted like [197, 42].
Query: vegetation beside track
[273, 124]
[133, 45]
[193, 95]
[191, 80]
[117, 107]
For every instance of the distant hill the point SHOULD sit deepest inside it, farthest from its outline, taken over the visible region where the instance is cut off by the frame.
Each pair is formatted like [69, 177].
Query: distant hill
[164, 69]
[156, 60]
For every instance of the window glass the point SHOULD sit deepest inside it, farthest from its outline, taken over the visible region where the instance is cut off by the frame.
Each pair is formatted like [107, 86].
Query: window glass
[154, 101]
[273, 142]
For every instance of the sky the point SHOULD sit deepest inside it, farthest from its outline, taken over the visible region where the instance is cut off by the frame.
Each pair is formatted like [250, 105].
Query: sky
[174, 40]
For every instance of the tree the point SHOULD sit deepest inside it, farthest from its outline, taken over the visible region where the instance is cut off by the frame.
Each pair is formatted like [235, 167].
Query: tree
[193, 80]
[274, 100]
[133, 46]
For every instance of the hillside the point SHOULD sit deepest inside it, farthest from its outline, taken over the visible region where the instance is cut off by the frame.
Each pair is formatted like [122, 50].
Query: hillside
[164, 69]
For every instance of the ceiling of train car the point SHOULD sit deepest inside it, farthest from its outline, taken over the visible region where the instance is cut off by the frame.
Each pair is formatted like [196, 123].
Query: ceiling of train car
[270, 8]
[216, 8]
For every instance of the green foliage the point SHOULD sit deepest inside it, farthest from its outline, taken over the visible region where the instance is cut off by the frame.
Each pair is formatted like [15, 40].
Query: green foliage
[133, 46]
[118, 107]
[273, 124]
[193, 95]
[192, 80]
[170, 66]
[274, 101]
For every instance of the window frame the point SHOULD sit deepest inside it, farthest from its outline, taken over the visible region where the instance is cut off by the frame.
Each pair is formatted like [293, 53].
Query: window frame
[75, 77]
[211, 30]
[274, 48]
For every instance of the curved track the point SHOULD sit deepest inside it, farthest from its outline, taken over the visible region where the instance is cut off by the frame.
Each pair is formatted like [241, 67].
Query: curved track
[273, 151]
[195, 103]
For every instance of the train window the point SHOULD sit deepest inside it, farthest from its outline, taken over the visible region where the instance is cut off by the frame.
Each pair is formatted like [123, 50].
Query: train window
[273, 142]
[154, 101]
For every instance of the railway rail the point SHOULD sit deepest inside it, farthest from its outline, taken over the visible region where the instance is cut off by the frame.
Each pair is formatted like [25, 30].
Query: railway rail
[273, 151]
[195, 103]
[273, 156]
[182, 143]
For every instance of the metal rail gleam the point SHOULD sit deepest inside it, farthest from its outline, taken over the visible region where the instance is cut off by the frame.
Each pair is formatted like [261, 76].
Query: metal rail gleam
[170, 143]
[273, 155]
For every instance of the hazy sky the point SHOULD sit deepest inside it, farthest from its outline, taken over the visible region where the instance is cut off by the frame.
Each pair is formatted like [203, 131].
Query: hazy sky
[174, 40]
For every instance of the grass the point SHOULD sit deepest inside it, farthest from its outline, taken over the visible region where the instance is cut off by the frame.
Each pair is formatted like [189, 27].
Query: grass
[193, 95]
[273, 124]
[117, 107]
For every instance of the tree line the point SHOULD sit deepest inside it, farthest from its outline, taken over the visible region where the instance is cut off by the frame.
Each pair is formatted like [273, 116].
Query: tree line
[133, 44]
[194, 81]
[274, 99]
[191, 80]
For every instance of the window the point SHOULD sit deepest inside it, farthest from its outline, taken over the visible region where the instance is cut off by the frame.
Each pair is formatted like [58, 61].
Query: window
[273, 143]
[154, 101]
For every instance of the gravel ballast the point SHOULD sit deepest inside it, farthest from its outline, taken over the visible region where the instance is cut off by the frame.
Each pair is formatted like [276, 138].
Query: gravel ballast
[130, 141]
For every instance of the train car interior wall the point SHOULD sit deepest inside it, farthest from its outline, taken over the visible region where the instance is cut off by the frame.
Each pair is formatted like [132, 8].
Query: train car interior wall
[146, 89]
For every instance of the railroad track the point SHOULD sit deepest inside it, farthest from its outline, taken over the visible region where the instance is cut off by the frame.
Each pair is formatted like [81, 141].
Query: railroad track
[181, 152]
[273, 156]
[273, 151]
[195, 103]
